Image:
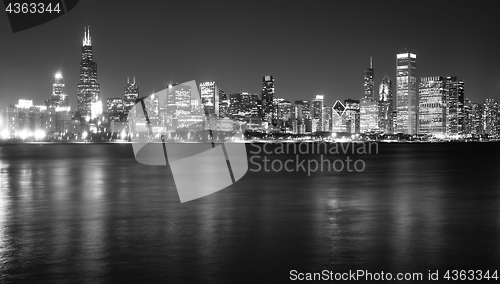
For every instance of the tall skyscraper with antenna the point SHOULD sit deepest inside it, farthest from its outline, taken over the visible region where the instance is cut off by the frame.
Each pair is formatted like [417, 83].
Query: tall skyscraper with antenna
[368, 104]
[89, 104]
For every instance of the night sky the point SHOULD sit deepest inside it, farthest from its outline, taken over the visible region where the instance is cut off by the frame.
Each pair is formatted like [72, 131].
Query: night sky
[311, 47]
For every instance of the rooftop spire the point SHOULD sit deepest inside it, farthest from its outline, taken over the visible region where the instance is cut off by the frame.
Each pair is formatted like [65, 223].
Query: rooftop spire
[86, 38]
[371, 62]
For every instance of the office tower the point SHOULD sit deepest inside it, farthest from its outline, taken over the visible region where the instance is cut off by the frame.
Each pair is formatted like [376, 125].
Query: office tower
[327, 118]
[58, 97]
[460, 105]
[473, 119]
[274, 116]
[385, 106]
[267, 97]
[284, 115]
[114, 109]
[131, 95]
[298, 119]
[452, 105]
[88, 88]
[467, 118]
[177, 104]
[490, 118]
[305, 109]
[368, 113]
[368, 107]
[338, 117]
[223, 104]
[368, 82]
[210, 98]
[352, 116]
[432, 105]
[406, 93]
[317, 111]
[235, 104]
[248, 103]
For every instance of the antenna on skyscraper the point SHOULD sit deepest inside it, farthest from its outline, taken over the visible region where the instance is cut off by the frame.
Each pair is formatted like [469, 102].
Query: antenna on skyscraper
[371, 62]
[128, 82]
[134, 80]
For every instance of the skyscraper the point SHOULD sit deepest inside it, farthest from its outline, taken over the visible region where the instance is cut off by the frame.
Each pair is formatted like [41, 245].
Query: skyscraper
[490, 118]
[368, 84]
[58, 97]
[327, 118]
[368, 104]
[406, 93]
[130, 96]
[452, 105]
[385, 105]
[338, 117]
[352, 116]
[432, 106]
[223, 104]
[210, 98]
[88, 88]
[114, 109]
[317, 111]
[268, 97]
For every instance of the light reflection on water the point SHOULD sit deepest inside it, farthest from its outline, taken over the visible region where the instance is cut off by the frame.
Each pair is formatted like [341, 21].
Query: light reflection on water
[90, 213]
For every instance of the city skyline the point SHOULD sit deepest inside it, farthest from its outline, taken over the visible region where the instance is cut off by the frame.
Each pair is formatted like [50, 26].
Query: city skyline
[236, 63]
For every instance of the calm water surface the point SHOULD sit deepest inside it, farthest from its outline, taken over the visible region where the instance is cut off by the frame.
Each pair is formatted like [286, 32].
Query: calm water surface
[92, 214]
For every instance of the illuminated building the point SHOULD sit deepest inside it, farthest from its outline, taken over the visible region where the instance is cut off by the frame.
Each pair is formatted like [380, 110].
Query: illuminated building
[210, 98]
[352, 116]
[115, 109]
[452, 104]
[490, 118]
[317, 111]
[406, 93]
[368, 82]
[88, 88]
[249, 104]
[267, 97]
[223, 104]
[368, 114]
[305, 110]
[9, 121]
[327, 118]
[385, 105]
[472, 119]
[368, 106]
[338, 117]
[284, 115]
[298, 120]
[131, 94]
[460, 105]
[58, 97]
[432, 106]
[305, 115]
[235, 104]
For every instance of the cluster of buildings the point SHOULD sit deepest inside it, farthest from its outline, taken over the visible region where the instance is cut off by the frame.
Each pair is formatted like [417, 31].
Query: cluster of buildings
[433, 106]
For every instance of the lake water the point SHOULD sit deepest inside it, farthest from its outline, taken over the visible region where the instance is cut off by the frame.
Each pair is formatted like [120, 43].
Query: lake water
[92, 214]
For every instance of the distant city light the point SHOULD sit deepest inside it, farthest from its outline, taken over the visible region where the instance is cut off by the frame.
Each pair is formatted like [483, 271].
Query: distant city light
[5, 134]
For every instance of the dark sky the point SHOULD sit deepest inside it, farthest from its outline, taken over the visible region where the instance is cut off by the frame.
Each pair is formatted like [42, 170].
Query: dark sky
[311, 47]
